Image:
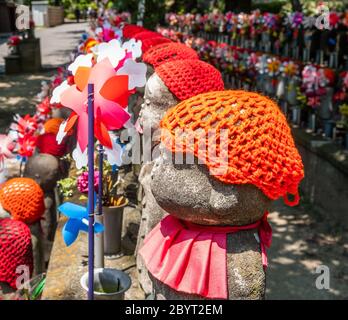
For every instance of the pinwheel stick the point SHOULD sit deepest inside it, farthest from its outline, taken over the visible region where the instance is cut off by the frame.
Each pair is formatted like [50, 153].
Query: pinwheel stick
[99, 238]
[90, 191]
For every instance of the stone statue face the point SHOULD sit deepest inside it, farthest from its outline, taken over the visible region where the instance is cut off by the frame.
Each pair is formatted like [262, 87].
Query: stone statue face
[157, 100]
[136, 100]
[62, 112]
[44, 169]
[190, 192]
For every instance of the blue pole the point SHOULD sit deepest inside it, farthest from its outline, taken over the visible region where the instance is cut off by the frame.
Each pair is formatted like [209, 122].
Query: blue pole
[100, 185]
[91, 191]
[99, 238]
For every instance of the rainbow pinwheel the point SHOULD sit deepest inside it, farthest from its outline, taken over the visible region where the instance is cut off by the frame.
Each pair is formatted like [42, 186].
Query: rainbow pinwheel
[110, 98]
[26, 125]
[78, 221]
[6, 147]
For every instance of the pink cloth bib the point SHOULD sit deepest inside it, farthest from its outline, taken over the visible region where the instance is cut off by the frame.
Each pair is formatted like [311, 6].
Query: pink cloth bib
[191, 258]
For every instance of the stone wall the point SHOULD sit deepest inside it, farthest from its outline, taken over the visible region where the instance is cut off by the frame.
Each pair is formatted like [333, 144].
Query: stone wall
[46, 15]
[325, 185]
[55, 16]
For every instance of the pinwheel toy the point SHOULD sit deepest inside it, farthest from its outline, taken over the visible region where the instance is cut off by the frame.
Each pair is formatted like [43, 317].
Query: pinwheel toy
[27, 145]
[26, 125]
[43, 109]
[78, 221]
[110, 99]
[6, 147]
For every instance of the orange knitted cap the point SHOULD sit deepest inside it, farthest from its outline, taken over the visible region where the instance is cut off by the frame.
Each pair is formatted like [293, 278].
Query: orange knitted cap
[23, 198]
[171, 51]
[52, 125]
[256, 146]
[187, 78]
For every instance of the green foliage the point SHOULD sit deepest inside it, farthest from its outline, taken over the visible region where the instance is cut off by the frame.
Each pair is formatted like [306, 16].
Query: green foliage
[66, 187]
[273, 7]
[127, 6]
[70, 16]
[154, 13]
[310, 7]
[344, 113]
[71, 5]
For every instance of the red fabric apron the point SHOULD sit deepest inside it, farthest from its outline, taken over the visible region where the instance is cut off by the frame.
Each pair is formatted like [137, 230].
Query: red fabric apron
[191, 258]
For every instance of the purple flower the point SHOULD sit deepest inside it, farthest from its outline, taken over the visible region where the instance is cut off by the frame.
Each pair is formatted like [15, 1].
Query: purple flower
[297, 19]
[82, 181]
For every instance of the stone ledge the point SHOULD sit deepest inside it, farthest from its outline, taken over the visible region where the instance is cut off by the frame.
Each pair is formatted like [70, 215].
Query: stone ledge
[324, 148]
[68, 264]
[325, 183]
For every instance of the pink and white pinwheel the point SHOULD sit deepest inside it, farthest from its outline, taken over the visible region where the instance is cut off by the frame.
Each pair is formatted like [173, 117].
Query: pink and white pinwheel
[6, 147]
[107, 33]
[314, 80]
[345, 81]
[43, 109]
[253, 59]
[110, 98]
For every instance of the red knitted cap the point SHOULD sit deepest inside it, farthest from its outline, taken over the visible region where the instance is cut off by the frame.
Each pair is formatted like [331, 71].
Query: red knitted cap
[150, 42]
[187, 78]
[15, 250]
[171, 51]
[130, 30]
[47, 143]
[23, 198]
[146, 35]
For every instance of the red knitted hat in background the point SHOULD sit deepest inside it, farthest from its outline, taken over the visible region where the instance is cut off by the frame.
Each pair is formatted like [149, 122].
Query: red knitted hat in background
[258, 148]
[146, 35]
[165, 52]
[129, 30]
[147, 44]
[187, 78]
[23, 198]
[47, 143]
[150, 39]
[15, 250]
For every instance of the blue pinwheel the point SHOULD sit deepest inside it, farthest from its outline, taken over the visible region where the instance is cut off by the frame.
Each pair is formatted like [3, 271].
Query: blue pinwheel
[78, 221]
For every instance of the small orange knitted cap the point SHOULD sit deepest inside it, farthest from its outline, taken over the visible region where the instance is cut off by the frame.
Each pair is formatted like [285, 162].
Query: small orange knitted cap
[187, 78]
[256, 146]
[52, 125]
[171, 51]
[23, 198]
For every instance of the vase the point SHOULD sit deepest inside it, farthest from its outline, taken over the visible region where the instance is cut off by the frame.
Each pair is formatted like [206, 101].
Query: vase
[296, 115]
[328, 128]
[346, 140]
[109, 284]
[284, 107]
[291, 92]
[113, 219]
[312, 121]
